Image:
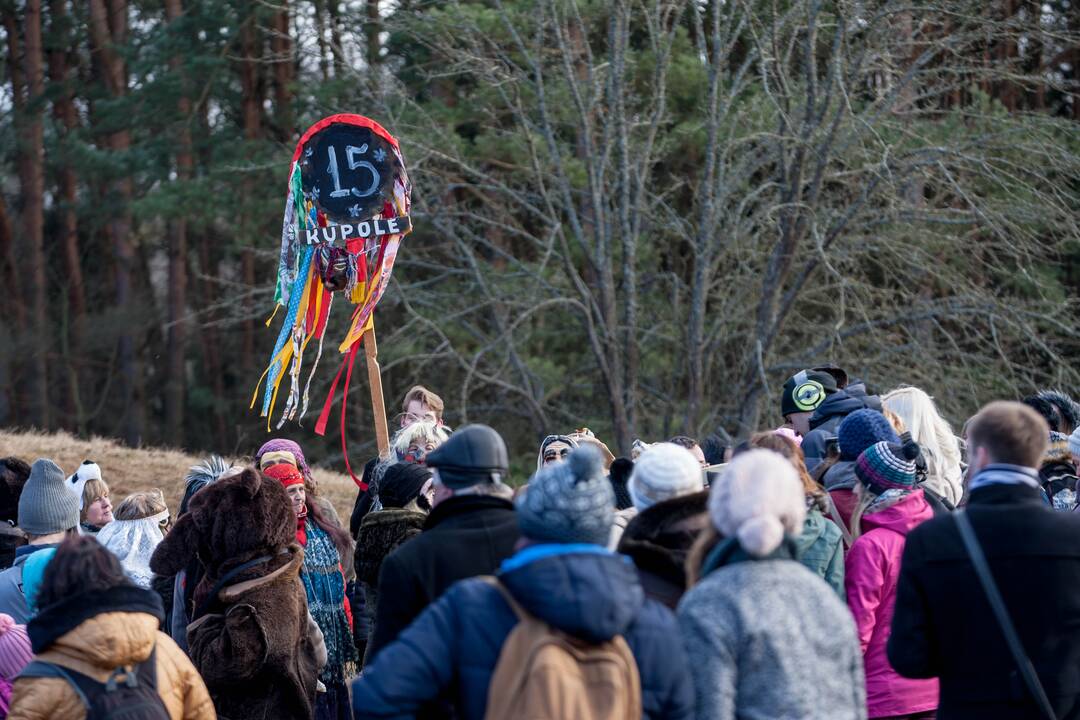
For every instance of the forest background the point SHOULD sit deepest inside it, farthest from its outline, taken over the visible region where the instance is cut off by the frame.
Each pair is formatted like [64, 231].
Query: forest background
[636, 216]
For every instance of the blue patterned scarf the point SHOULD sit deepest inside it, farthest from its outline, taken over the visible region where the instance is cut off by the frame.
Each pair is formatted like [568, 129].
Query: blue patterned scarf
[325, 588]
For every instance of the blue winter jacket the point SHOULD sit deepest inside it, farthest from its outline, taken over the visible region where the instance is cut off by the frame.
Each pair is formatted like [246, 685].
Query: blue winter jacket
[824, 423]
[451, 649]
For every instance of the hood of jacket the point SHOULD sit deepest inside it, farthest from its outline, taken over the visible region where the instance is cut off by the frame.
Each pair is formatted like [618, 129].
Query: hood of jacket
[839, 404]
[107, 628]
[659, 538]
[904, 515]
[840, 476]
[592, 594]
[813, 529]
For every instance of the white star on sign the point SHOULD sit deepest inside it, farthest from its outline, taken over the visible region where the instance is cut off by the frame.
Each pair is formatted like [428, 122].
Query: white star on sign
[380, 155]
[354, 211]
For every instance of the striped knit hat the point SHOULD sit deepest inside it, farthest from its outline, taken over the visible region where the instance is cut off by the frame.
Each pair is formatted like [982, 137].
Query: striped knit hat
[886, 465]
[15, 652]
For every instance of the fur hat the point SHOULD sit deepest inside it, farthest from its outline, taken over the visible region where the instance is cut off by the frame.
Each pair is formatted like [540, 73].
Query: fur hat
[664, 471]
[233, 520]
[758, 499]
[1057, 451]
[860, 430]
[569, 501]
[89, 470]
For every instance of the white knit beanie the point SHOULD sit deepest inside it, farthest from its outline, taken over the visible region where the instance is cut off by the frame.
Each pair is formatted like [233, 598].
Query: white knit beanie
[1074, 442]
[662, 472]
[757, 499]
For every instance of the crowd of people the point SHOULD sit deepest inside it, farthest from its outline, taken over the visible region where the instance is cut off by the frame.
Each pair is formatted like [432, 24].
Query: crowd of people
[863, 560]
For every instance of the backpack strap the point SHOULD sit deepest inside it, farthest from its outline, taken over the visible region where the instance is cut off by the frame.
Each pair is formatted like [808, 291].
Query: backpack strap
[42, 669]
[509, 598]
[834, 514]
[225, 579]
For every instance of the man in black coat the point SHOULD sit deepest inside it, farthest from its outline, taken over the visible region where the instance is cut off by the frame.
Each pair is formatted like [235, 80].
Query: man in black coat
[471, 529]
[943, 624]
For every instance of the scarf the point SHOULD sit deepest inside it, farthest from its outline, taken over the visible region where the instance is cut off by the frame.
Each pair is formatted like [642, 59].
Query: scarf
[324, 584]
[1002, 474]
[887, 499]
[730, 552]
[301, 527]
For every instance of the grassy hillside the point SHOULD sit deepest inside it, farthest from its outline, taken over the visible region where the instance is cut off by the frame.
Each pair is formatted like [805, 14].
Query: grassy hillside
[128, 470]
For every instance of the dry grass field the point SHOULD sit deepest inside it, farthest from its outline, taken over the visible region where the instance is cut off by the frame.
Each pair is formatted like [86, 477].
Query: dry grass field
[128, 470]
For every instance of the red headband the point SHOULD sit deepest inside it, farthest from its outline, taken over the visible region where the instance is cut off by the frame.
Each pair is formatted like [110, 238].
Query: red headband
[286, 474]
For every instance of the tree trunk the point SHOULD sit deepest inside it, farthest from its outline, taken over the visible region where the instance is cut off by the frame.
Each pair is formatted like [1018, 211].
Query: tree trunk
[28, 85]
[371, 38]
[282, 48]
[176, 344]
[66, 115]
[252, 102]
[108, 29]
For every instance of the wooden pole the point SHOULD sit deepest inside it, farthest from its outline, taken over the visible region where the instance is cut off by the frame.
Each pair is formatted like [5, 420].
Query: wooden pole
[378, 407]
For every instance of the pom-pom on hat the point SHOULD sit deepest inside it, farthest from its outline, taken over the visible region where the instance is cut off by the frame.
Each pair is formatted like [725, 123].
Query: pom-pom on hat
[887, 465]
[758, 499]
[664, 471]
[569, 502]
[860, 430]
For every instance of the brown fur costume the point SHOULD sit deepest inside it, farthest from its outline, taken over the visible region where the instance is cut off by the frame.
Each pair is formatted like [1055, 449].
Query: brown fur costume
[253, 645]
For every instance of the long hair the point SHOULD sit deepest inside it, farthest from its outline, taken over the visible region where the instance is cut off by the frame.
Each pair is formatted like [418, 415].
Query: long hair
[81, 564]
[928, 428]
[341, 538]
[792, 453]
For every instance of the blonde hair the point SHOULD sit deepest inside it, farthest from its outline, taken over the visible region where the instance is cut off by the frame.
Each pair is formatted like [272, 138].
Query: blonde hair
[140, 505]
[863, 497]
[895, 420]
[928, 428]
[93, 489]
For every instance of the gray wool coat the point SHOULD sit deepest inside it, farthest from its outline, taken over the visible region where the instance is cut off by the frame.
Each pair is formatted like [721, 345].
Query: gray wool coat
[770, 640]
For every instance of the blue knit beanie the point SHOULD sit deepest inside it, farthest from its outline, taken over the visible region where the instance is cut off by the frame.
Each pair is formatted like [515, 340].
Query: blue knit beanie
[568, 502]
[860, 430]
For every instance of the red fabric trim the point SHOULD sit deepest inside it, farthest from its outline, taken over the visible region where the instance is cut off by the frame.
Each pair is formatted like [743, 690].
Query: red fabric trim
[347, 119]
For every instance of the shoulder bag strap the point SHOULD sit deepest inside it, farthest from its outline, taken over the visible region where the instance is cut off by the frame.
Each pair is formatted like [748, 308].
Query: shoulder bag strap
[515, 606]
[982, 569]
[834, 513]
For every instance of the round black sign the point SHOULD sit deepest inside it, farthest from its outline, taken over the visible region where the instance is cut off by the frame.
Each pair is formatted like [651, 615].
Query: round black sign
[348, 172]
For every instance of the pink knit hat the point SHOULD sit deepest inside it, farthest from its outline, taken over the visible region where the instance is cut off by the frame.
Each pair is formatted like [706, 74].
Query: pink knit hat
[15, 652]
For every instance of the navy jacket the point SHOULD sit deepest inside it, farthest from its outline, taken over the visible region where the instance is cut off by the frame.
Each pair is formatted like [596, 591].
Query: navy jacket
[943, 625]
[824, 423]
[452, 648]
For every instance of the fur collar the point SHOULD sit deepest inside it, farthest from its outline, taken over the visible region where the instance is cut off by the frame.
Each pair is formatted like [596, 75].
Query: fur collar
[659, 538]
[60, 618]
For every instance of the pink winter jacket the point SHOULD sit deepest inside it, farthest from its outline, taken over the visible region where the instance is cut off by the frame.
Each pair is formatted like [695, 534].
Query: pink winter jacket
[870, 574]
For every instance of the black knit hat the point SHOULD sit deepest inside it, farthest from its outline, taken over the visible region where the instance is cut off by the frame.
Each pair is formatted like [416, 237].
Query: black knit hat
[401, 484]
[805, 390]
[474, 454]
[619, 475]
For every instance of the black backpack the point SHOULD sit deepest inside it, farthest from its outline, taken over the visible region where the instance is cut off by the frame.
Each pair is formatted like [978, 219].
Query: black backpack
[124, 696]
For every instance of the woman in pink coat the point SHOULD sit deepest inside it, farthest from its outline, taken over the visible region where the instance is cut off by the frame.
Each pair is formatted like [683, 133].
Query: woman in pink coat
[889, 506]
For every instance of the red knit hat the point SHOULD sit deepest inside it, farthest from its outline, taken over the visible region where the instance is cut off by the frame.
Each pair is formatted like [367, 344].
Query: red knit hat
[286, 474]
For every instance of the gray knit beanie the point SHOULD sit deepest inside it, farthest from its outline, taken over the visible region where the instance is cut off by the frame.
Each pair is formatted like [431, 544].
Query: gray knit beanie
[569, 502]
[46, 505]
